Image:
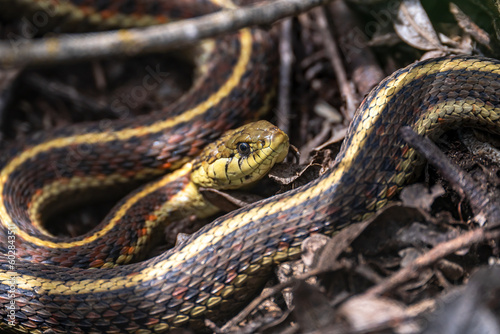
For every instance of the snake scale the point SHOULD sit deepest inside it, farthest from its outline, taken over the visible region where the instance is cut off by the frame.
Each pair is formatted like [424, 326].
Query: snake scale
[225, 263]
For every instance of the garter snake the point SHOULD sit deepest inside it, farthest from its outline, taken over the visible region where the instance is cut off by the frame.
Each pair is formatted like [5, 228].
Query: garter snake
[230, 88]
[221, 266]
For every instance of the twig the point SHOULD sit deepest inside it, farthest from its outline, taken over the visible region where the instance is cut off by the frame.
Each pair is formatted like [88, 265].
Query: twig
[140, 40]
[56, 90]
[326, 263]
[283, 113]
[212, 326]
[462, 183]
[347, 90]
[269, 293]
[7, 80]
[469, 26]
[437, 253]
[484, 209]
[359, 57]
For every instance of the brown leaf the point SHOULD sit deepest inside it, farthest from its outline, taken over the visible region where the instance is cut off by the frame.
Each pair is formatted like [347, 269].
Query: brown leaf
[312, 248]
[414, 27]
[339, 243]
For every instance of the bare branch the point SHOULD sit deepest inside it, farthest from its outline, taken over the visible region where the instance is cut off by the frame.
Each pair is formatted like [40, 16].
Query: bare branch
[140, 40]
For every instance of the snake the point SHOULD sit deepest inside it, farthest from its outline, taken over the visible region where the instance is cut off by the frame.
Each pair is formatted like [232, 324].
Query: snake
[224, 264]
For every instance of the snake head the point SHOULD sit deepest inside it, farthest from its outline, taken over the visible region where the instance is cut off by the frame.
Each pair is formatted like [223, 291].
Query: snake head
[241, 156]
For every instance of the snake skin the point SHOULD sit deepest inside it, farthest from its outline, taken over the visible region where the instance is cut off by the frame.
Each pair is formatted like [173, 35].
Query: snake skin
[224, 264]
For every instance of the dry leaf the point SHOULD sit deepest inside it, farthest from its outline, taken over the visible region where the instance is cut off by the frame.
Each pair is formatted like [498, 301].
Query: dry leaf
[466, 23]
[414, 27]
[364, 313]
[418, 196]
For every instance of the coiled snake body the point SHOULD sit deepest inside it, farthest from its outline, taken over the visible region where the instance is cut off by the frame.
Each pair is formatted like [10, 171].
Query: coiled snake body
[221, 266]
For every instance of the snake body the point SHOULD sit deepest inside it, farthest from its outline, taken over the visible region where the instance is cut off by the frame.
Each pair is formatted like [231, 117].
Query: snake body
[222, 265]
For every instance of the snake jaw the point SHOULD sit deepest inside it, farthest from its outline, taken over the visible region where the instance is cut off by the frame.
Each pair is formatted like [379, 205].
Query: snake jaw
[223, 165]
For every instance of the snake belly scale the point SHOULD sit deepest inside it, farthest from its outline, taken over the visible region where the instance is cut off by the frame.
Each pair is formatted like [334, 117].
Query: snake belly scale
[221, 266]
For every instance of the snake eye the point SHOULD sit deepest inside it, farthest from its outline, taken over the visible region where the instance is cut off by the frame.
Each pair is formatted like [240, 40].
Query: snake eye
[243, 148]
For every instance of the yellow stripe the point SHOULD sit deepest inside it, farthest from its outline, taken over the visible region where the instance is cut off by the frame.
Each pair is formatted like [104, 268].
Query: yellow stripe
[67, 185]
[257, 212]
[152, 187]
[92, 138]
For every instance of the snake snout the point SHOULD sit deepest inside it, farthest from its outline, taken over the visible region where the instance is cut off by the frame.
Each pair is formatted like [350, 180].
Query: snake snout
[279, 143]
